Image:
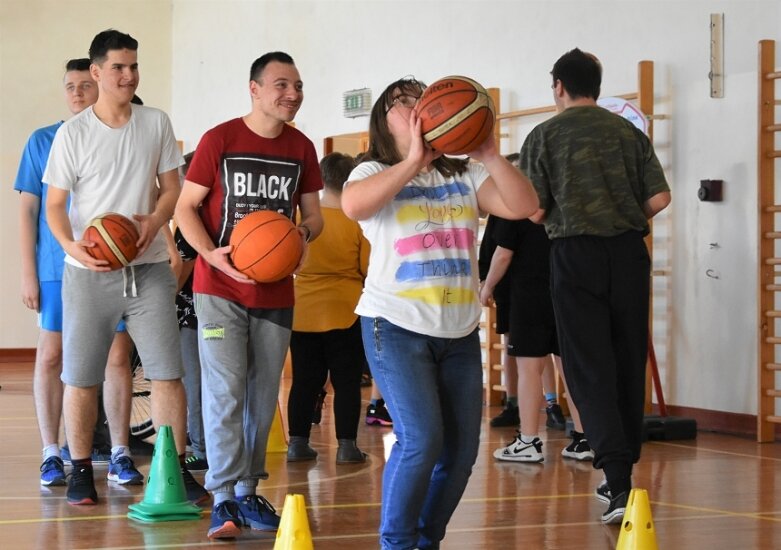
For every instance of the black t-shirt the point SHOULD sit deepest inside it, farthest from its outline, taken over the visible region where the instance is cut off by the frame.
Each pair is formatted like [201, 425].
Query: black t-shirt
[530, 245]
[487, 248]
[185, 310]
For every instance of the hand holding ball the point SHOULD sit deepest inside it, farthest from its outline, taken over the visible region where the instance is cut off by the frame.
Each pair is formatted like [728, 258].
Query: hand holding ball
[456, 114]
[266, 246]
[115, 238]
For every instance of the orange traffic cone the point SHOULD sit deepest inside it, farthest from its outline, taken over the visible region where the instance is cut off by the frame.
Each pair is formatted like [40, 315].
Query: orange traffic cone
[637, 528]
[293, 532]
[165, 498]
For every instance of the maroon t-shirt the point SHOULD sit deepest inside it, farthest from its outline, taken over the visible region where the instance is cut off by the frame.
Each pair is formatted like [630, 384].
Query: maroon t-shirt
[245, 173]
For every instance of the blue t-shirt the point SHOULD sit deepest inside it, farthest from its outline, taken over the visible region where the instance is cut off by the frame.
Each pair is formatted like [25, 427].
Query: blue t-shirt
[50, 256]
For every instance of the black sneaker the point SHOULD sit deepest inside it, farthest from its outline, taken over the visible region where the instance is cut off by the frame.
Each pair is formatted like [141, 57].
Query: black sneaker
[579, 449]
[615, 510]
[226, 521]
[555, 418]
[196, 464]
[81, 487]
[195, 491]
[378, 415]
[603, 493]
[508, 417]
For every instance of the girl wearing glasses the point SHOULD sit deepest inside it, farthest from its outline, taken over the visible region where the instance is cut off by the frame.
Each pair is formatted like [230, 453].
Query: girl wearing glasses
[419, 308]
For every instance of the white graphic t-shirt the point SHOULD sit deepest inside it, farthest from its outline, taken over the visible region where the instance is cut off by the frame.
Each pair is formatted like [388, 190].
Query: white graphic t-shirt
[423, 263]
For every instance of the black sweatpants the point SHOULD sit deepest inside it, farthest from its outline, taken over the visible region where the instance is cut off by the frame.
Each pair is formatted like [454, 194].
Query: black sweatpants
[313, 355]
[600, 288]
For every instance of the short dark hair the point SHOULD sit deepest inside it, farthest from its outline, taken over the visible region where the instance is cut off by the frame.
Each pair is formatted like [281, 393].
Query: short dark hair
[580, 73]
[81, 64]
[107, 40]
[335, 169]
[382, 146]
[136, 100]
[260, 63]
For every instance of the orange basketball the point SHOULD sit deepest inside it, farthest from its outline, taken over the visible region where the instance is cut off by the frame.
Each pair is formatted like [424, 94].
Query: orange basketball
[266, 246]
[115, 237]
[456, 114]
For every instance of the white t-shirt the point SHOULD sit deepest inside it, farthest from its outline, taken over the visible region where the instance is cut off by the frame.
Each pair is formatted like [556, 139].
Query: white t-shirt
[113, 169]
[423, 263]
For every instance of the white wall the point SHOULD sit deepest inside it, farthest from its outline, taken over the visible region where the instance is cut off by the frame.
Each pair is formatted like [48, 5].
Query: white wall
[36, 39]
[705, 331]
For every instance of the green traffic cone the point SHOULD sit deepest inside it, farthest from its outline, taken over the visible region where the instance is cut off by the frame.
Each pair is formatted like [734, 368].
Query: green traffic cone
[165, 498]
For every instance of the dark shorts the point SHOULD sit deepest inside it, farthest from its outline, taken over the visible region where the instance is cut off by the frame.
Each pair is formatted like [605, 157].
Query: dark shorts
[502, 317]
[532, 321]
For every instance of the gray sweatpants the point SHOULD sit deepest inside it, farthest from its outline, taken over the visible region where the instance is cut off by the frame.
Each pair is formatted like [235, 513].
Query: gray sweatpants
[242, 354]
[188, 338]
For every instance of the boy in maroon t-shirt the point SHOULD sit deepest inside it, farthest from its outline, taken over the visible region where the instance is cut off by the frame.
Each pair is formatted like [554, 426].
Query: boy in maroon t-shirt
[256, 162]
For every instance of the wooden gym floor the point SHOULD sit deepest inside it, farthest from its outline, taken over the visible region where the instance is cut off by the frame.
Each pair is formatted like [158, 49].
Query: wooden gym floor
[713, 492]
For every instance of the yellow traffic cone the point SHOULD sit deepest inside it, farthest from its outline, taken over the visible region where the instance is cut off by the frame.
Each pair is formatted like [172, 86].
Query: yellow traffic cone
[165, 498]
[277, 442]
[637, 528]
[293, 532]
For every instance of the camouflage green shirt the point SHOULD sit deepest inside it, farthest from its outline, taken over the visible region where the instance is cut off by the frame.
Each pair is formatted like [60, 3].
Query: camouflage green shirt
[593, 171]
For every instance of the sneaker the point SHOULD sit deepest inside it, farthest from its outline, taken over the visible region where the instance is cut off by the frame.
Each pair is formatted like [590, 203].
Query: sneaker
[196, 464]
[122, 470]
[195, 491]
[317, 415]
[508, 417]
[227, 521]
[81, 487]
[579, 449]
[378, 415]
[603, 493]
[615, 510]
[52, 472]
[100, 457]
[258, 513]
[555, 418]
[520, 451]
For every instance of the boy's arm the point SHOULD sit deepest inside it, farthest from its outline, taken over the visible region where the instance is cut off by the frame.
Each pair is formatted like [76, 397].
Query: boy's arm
[60, 225]
[29, 209]
[150, 224]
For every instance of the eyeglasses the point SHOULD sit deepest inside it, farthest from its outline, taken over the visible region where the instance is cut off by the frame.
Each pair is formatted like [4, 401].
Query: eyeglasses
[405, 100]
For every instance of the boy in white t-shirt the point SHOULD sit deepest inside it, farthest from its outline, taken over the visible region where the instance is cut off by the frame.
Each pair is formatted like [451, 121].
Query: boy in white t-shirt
[116, 157]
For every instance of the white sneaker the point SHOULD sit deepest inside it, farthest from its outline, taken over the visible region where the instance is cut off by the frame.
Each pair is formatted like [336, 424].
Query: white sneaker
[579, 449]
[520, 451]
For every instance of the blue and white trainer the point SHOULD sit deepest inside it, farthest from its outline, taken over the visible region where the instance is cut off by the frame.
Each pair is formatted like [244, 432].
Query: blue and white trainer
[226, 521]
[123, 471]
[52, 472]
[258, 513]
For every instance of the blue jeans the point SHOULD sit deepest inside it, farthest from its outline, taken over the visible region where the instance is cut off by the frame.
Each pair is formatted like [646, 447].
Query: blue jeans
[432, 387]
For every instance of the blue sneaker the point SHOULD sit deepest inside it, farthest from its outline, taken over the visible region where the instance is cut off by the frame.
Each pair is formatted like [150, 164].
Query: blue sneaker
[123, 471]
[227, 521]
[100, 457]
[258, 513]
[52, 472]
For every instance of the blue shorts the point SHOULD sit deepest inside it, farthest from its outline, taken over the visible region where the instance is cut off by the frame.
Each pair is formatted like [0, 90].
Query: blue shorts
[50, 317]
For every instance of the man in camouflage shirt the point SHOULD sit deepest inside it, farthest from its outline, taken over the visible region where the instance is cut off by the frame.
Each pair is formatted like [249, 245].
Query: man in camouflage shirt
[599, 181]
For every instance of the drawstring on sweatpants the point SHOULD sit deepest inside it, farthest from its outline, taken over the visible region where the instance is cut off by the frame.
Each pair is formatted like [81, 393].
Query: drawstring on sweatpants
[133, 290]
